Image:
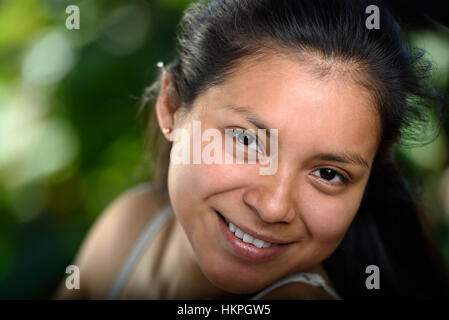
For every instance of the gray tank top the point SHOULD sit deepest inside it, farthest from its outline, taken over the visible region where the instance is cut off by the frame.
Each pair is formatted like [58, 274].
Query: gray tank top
[155, 224]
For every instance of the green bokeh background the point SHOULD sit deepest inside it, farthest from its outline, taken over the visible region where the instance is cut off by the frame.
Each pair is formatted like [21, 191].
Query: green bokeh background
[71, 139]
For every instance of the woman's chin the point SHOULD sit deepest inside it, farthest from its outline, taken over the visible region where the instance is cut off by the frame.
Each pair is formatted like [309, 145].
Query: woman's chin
[235, 283]
[237, 288]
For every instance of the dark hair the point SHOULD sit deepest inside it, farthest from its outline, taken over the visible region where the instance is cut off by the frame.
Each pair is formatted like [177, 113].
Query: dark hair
[389, 229]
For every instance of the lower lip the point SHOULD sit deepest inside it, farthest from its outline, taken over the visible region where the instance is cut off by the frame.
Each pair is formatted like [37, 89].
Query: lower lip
[247, 250]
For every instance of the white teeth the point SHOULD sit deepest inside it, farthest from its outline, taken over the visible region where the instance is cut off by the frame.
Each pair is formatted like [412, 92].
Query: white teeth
[239, 233]
[248, 238]
[258, 243]
[266, 244]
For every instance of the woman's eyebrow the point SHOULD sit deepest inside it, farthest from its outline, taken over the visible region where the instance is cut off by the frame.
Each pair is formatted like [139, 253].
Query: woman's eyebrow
[248, 114]
[352, 158]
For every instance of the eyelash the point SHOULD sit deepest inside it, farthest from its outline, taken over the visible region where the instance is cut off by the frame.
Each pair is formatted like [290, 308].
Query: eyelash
[344, 180]
[260, 146]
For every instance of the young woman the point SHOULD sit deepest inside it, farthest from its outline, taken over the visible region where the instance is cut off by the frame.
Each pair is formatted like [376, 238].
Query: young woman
[339, 96]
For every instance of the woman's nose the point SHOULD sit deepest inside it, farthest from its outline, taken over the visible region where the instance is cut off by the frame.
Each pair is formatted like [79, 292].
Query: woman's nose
[271, 197]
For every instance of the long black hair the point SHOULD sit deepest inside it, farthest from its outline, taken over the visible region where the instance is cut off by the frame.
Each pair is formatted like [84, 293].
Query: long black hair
[390, 229]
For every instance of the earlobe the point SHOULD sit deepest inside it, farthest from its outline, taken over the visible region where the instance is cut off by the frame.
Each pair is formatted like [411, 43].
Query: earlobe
[167, 133]
[166, 105]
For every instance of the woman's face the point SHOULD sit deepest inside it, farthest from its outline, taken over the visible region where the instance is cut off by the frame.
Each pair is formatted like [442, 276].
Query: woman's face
[328, 133]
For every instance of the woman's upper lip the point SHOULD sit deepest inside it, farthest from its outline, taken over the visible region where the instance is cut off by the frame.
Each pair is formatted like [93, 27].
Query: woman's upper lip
[258, 235]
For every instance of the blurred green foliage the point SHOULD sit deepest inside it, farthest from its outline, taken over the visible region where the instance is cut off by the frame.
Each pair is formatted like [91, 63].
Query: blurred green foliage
[70, 136]
[71, 139]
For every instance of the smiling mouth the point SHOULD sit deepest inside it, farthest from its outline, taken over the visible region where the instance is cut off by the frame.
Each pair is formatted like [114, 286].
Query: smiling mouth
[250, 246]
[246, 237]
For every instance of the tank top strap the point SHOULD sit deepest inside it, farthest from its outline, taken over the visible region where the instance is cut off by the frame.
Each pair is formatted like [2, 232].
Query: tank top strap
[144, 240]
[313, 279]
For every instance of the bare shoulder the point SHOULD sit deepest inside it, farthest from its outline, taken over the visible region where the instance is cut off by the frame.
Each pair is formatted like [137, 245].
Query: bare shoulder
[110, 240]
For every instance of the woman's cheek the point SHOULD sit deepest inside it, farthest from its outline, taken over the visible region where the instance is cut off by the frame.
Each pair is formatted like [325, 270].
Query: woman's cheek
[222, 177]
[327, 219]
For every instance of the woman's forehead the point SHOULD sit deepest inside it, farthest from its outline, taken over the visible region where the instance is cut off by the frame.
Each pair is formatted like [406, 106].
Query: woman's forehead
[286, 97]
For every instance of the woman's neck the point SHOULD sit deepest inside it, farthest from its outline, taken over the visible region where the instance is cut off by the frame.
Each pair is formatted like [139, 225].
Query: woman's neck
[181, 275]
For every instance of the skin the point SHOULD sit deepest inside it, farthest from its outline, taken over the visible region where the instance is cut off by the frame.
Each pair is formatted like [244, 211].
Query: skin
[313, 115]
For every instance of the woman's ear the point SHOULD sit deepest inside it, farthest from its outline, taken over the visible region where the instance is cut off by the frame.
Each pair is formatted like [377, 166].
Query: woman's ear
[167, 105]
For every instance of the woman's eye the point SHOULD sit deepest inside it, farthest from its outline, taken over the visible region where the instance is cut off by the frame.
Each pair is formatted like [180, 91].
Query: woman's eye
[330, 175]
[246, 138]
